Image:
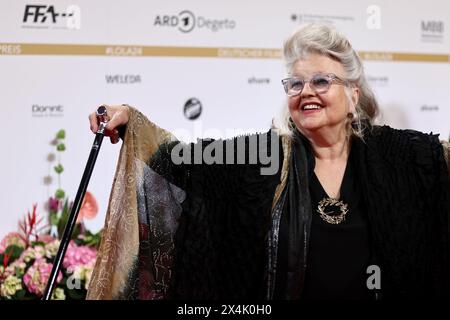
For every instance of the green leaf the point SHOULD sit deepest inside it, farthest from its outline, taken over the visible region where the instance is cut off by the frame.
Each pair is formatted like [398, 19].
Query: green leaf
[14, 251]
[92, 240]
[29, 296]
[76, 231]
[19, 272]
[59, 168]
[60, 194]
[53, 218]
[38, 243]
[76, 294]
[63, 219]
[20, 294]
[61, 147]
[61, 134]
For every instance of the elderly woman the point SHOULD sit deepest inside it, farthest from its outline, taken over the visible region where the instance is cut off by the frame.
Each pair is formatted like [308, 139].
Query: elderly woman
[354, 211]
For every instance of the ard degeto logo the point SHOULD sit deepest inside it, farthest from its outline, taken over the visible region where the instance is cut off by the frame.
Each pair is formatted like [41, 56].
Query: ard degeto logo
[432, 31]
[50, 17]
[192, 109]
[186, 21]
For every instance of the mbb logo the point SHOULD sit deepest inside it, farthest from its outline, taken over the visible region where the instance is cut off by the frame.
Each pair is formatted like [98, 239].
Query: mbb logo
[432, 31]
[432, 26]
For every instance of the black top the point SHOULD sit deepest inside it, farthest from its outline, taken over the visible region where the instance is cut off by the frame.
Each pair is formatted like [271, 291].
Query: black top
[338, 253]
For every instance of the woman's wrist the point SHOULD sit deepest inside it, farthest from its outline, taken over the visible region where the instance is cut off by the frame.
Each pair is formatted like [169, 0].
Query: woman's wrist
[123, 128]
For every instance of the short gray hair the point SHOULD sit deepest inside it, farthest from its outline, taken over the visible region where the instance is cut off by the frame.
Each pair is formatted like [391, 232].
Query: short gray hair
[326, 40]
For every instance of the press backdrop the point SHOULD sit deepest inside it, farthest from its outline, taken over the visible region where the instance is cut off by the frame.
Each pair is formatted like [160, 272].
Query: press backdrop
[197, 68]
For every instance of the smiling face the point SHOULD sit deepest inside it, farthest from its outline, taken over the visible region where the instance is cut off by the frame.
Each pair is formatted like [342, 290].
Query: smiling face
[334, 105]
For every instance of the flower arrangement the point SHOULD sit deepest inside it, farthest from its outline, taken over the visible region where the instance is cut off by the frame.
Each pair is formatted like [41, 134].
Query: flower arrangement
[26, 256]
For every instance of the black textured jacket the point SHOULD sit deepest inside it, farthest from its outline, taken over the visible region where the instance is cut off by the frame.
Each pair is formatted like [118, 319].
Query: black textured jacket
[225, 241]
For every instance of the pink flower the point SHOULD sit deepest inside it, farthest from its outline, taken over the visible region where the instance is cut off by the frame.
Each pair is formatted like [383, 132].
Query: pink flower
[89, 207]
[12, 238]
[32, 253]
[53, 204]
[76, 256]
[37, 275]
[45, 238]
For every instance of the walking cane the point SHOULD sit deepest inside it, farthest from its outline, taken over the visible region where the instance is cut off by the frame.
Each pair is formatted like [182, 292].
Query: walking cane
[103, 120]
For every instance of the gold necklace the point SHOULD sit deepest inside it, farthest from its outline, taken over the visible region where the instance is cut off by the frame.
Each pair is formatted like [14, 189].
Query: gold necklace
[331, 202]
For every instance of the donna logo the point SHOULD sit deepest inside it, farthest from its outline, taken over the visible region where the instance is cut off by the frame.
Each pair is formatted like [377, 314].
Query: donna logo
[40, 111]
[184, 21]
[192, 109]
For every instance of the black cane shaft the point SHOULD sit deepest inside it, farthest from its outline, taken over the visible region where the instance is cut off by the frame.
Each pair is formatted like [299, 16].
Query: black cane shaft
[67, 234]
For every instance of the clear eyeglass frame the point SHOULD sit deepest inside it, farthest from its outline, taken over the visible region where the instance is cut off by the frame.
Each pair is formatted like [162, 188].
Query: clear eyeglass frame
[319, 83]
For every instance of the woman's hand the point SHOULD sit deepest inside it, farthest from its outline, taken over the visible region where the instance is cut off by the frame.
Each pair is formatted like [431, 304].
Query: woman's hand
[118, 116]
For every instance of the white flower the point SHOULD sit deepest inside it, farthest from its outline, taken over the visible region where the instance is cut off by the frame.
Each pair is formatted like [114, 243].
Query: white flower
[83, 273]
[10, 286]
[32, 253]
[51, 249]
[16, 268]
[88, 278]
[58, 294]
[79, 272]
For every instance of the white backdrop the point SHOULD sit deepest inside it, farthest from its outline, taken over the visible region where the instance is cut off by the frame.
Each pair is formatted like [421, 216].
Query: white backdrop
[157, 55]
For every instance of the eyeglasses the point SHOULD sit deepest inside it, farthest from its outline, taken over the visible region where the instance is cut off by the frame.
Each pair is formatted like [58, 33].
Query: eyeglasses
[320, 83]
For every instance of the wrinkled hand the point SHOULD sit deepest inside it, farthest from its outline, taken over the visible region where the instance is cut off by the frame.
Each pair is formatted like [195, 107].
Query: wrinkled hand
[118, 116]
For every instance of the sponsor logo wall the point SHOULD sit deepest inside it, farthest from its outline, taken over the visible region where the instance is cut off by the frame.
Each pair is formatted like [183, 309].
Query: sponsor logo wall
[198, 69]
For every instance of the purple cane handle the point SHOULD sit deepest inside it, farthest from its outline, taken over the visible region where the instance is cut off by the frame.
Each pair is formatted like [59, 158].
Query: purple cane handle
[103, 119]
